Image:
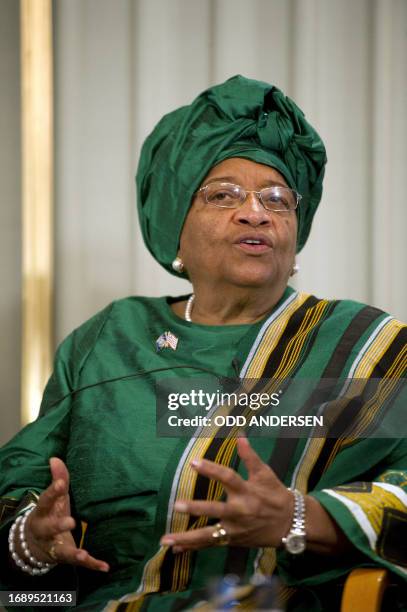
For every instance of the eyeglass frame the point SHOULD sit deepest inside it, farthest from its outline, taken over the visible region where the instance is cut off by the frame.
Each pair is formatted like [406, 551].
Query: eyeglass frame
[298, 196]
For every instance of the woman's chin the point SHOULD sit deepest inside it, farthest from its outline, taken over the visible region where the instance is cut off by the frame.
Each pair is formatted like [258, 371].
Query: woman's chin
[256, 279]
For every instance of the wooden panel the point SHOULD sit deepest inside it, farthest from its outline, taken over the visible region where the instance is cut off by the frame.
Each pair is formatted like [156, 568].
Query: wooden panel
[10, 220]
[37, 192]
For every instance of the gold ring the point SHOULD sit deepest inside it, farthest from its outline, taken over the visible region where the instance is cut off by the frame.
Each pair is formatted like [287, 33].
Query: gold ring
[220, 535]
[52, 552]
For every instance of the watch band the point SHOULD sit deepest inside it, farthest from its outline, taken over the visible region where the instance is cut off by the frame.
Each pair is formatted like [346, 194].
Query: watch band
[295, 541]
[299, 510]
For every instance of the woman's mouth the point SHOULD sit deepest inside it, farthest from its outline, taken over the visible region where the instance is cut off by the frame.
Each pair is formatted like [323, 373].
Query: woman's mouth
[254, 245]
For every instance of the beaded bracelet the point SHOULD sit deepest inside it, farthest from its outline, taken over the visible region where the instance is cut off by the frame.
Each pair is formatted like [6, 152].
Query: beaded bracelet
[34, 567]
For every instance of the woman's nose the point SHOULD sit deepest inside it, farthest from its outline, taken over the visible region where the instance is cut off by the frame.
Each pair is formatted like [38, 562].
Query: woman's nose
[252, 211]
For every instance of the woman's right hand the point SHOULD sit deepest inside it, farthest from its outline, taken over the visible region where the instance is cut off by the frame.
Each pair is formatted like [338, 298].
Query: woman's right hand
[48, 527]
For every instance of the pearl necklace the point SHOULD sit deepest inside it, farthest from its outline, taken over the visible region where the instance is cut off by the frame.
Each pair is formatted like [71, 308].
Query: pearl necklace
[188, 309]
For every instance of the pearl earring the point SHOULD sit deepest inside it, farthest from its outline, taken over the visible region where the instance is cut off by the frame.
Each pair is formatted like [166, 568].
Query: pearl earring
[177, 265]
[295, 269]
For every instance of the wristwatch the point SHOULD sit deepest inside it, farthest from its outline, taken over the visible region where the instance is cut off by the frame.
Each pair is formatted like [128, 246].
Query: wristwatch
[295, 541]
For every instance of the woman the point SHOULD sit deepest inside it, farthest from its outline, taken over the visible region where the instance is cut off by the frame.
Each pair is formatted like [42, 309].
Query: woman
[227, 189]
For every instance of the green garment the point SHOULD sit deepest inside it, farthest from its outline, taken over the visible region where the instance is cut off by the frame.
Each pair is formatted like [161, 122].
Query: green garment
[238, 118]
[123, 476]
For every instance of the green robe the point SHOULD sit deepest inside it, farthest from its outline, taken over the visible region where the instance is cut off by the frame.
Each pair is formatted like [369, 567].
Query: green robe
[98, 414]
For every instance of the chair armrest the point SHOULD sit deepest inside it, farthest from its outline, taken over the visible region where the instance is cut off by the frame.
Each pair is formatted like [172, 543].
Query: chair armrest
[364, 590]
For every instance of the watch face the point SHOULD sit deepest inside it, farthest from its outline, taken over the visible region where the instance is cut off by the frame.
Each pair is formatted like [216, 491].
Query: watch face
[295, 543]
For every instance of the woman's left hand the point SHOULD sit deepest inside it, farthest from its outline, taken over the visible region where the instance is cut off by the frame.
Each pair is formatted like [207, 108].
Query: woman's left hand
[258, 512]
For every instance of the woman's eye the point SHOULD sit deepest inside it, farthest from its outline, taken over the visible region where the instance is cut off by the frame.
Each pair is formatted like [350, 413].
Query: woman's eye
[276, 200]
[273, 198]
[222, 196]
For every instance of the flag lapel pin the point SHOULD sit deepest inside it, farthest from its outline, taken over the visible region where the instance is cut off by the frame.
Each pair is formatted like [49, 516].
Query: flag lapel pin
[166, 340]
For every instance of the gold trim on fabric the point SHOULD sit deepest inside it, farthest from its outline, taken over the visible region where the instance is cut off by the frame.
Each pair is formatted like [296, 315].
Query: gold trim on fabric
[371, 357]
[363, 370]
[84, 527]
[373, 504]
[378, 348]
[296, 344]
[272, 337]
[373, 406]
[311, 457]
[37, 201]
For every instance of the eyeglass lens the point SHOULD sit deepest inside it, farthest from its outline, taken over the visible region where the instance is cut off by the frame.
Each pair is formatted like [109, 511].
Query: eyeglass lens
[228, 195]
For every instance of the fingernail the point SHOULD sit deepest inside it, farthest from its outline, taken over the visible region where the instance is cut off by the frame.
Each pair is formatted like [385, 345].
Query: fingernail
[167, 541]
[180, 506]
[105, 568]
[195, 463]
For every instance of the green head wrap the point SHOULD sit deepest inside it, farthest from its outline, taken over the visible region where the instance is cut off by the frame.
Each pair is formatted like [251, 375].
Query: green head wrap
[239, 118]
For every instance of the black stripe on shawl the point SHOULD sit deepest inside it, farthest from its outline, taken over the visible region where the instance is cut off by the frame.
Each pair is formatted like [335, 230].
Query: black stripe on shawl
[292, 328]
[284, 448]
[202, 482]
[274, 360]
[384, 364]
[357, 327]
[200, 492]
[166, 571]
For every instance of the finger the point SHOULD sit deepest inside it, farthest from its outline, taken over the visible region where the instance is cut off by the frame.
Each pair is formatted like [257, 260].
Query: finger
[45, 527]
[65, 553]
[56, 490]
[250, 458]
[203, 508]
[190, 540]
[225, 475]
[59, 471]
[58, 526]
[51, 527]
[84, 559]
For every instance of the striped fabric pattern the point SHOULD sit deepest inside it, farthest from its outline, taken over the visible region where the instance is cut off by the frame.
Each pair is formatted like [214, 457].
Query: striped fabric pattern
[331, 339]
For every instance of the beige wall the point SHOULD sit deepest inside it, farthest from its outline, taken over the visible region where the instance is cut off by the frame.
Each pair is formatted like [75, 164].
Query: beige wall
[10, 220]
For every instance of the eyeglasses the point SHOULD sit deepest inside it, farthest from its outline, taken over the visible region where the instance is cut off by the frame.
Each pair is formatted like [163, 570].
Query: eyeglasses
[228, 195]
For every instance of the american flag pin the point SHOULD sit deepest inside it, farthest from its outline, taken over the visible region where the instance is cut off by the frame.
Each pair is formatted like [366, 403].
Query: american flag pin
[166, 340]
